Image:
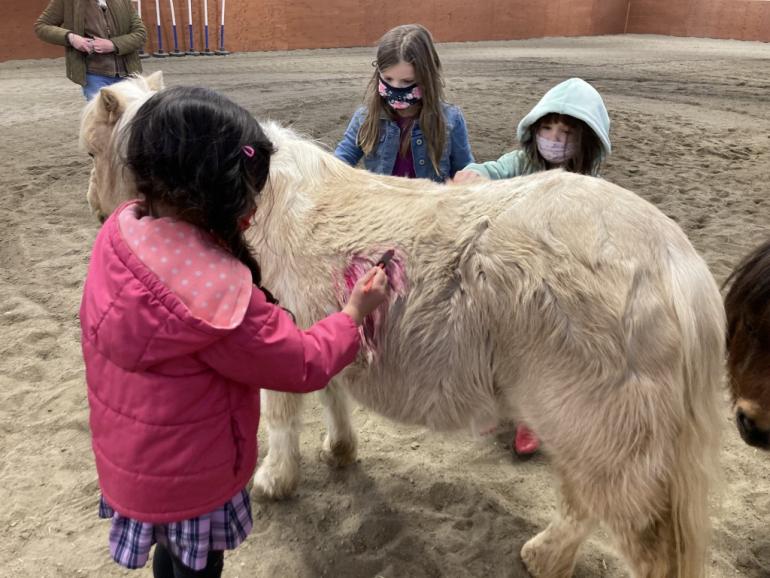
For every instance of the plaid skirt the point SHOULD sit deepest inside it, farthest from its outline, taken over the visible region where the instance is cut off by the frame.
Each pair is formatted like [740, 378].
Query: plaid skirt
[190, 540]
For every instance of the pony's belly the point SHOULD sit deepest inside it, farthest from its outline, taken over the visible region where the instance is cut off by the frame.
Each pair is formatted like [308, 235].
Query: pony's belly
[433, 406]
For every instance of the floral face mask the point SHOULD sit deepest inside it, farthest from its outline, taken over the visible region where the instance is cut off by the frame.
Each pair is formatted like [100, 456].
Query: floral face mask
[399, 98]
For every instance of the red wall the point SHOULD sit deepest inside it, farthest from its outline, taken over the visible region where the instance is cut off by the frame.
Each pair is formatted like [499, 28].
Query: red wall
[738, 19]
[19, 41]
[288, 24]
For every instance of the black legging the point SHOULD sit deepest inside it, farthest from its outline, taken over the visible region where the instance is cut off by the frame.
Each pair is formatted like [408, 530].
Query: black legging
[166, 565]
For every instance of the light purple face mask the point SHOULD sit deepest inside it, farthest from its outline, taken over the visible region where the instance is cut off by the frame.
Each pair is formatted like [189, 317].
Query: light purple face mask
[553, 151]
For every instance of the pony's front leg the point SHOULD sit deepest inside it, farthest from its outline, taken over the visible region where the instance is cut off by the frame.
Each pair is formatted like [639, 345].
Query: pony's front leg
[278, 476]
[340, 445]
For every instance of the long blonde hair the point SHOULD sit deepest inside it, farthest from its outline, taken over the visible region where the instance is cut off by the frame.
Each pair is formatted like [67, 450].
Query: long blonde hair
[413, 44]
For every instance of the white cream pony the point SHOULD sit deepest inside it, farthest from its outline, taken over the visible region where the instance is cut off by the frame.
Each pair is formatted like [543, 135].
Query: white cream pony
[559, 299]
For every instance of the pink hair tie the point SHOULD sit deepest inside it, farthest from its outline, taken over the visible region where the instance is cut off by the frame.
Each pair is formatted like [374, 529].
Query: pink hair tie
[248, 150]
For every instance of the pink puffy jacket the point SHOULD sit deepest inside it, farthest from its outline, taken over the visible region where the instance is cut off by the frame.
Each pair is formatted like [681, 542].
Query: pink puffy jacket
[174, 398]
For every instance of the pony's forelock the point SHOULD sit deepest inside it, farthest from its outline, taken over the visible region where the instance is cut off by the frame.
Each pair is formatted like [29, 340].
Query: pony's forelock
[134, 91]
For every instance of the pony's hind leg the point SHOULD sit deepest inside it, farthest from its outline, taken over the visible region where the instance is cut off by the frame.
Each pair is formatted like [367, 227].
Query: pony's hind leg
[278, 476]
[340, 445]
[552, 553]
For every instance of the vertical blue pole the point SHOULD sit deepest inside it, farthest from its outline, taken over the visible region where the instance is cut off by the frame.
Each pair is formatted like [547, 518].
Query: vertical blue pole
[176, 52]
[221, 49]
[222, 32]
[206, 51]
[191, 47]
[159, 53]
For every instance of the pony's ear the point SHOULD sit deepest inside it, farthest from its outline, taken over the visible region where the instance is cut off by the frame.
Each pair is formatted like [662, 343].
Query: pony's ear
[111, 103]
[155, 80]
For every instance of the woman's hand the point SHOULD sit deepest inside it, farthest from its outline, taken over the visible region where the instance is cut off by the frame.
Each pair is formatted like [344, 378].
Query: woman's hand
[366, 297]
[467, 177]
[103, 46]
[79, 43]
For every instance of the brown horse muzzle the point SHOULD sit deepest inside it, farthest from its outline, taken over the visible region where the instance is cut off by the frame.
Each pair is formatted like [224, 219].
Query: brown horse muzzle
[750, 432]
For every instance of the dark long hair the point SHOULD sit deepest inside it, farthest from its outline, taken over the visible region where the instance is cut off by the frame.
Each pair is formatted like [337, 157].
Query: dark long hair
[186, 150]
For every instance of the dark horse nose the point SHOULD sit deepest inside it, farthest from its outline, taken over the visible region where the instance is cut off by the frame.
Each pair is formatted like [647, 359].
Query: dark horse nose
[749, 431]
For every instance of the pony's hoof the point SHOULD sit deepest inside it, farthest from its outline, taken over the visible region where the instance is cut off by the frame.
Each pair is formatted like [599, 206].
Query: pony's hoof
[540, 562]
[529, 557]
[340, 453]
[267, 485]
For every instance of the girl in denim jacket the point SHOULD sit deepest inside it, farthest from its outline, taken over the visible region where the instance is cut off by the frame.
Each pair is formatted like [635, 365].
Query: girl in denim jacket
[405, 128]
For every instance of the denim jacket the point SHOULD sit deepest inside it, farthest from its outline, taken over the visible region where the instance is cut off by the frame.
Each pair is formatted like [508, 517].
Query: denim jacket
[457, 151]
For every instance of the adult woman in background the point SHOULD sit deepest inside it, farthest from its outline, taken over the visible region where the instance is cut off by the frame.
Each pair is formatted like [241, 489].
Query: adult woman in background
[101, 40]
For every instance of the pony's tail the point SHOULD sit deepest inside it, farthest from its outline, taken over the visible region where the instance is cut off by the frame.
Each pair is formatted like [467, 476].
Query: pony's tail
[699, 309]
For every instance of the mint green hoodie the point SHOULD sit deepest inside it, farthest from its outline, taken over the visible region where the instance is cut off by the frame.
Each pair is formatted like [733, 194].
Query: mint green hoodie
[574, 97]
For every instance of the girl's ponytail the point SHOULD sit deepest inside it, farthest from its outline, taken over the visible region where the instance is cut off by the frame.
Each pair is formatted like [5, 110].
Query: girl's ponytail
[240, 249]
[253, 166]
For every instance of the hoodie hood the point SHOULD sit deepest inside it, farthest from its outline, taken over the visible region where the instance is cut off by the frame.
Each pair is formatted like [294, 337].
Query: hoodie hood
[576, 98]
[138, 310]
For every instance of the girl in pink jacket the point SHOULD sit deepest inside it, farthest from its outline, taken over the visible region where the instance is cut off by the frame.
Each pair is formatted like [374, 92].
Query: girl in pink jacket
[178, 337]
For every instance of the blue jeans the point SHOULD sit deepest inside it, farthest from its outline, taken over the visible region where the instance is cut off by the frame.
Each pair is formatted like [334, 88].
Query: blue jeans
[94, 82]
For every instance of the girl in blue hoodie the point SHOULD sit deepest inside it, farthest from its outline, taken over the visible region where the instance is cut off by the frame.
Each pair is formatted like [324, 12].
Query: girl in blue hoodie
[569, 129]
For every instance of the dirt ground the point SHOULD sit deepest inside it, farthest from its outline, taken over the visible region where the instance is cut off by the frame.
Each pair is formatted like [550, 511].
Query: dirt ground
[690, 132]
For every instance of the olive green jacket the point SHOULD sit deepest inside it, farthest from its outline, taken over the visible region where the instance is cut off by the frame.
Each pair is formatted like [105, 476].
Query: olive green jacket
[64, 16]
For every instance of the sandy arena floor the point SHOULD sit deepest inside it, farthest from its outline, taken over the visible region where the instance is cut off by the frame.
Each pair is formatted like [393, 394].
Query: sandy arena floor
[690, 132]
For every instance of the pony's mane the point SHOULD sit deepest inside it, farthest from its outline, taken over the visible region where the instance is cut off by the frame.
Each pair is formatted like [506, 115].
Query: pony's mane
[306, 163]
[299, 157]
